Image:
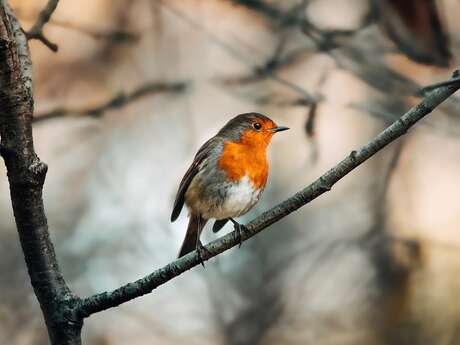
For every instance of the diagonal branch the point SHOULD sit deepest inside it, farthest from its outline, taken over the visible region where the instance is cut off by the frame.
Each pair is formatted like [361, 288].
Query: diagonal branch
[106, 300]
[117, 101]
[36, 32]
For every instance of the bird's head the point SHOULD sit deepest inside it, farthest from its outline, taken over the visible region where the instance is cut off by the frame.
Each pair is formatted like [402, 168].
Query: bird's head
[251, 129]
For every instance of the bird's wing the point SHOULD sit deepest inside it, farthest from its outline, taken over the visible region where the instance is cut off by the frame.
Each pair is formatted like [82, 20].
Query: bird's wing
[201, 155]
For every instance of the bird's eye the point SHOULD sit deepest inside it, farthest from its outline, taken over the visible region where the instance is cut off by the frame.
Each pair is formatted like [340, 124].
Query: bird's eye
[257, 125]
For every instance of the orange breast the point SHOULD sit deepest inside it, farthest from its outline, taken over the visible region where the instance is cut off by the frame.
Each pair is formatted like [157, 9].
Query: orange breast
[239, 159]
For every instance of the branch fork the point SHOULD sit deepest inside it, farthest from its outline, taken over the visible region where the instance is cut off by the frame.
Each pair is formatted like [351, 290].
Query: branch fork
[36, 32]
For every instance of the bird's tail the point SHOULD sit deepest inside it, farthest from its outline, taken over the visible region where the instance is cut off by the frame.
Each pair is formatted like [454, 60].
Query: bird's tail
[195, 226]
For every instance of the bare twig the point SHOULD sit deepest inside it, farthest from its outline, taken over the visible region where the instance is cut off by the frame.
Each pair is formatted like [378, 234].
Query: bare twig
[36, 32]
[322, 185]
[431, 87]
[116, 101]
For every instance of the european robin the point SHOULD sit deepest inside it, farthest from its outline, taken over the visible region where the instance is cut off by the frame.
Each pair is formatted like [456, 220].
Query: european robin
[226, 177]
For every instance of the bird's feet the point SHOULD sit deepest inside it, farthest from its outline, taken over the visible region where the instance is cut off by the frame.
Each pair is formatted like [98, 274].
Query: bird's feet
[239, 228]
[201, 250]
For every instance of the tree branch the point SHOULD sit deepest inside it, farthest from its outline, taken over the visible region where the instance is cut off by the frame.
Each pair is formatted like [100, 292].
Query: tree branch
[117, 101]
[26, 175]
[106, 300]
[36, 32]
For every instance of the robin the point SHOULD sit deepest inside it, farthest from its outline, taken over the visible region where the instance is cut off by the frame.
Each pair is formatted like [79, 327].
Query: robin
[226, 177]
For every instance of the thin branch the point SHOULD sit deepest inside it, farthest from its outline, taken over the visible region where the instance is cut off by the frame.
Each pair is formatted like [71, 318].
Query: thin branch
[117, 101]
[431, 87]
[36, 32]
[106, 300]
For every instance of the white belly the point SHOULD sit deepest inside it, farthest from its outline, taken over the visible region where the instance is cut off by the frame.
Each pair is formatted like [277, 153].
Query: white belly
[240, 198]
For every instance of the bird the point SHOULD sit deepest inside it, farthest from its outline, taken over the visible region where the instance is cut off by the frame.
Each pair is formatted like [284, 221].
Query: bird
[226, 178]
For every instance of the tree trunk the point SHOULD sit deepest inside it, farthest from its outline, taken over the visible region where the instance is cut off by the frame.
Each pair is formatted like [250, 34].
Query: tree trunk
[26, 175]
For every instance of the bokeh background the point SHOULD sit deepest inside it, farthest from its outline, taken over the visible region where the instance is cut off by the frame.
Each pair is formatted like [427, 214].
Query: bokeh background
[137, 86]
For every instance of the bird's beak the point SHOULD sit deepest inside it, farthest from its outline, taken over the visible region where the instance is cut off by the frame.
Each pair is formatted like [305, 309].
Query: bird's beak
[278, 129]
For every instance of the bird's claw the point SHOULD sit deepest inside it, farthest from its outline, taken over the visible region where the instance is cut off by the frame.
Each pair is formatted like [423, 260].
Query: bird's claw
[239, 228]
[201, 251]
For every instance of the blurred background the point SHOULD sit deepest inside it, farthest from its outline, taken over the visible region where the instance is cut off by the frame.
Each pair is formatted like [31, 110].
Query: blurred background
[138, 86]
